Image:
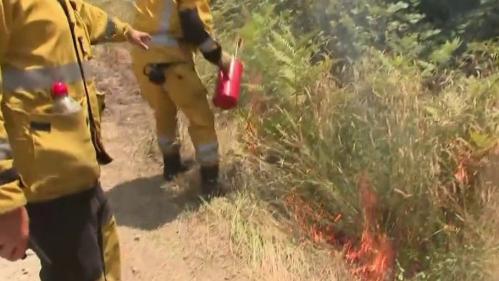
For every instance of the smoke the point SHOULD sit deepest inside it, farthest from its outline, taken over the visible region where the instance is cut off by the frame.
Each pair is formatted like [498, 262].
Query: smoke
[414, 28]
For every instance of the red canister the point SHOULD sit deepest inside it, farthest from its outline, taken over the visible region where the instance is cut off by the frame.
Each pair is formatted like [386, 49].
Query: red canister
[229, 86]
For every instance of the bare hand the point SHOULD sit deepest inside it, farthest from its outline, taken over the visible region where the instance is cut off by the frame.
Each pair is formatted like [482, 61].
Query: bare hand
[139, 38]
[14, 234]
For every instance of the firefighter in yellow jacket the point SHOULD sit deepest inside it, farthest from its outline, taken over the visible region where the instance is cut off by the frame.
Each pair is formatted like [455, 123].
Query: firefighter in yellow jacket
[169, 81]
[57, 203]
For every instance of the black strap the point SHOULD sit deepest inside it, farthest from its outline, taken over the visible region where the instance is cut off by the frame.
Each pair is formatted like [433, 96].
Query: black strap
[193, 27]
[102, 156]
[8, 176]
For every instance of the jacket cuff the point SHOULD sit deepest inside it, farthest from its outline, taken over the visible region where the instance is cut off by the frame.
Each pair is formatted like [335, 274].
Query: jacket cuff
[116, 30]
[11, 197]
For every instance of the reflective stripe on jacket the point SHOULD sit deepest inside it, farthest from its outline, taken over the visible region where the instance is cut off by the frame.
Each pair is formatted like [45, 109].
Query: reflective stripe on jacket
[160, 18]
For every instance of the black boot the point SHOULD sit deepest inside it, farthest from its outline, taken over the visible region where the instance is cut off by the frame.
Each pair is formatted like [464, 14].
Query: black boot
[172, 166]
[210, 186]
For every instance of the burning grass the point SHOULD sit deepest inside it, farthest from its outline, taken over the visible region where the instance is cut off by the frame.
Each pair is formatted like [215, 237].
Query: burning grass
[421, 198]
[372, 257]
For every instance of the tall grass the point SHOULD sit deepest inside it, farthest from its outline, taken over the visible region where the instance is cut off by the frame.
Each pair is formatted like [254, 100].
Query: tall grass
[418, 148]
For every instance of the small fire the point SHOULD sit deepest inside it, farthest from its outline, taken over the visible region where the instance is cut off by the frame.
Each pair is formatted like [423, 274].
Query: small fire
[373, 257]
[375, 254]
[313, 220]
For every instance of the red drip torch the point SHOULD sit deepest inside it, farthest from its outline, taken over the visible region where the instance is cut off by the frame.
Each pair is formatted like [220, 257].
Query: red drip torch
[229, 83]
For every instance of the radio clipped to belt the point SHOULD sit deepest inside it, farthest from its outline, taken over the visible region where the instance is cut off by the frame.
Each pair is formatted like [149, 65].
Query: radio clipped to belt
[156, 71]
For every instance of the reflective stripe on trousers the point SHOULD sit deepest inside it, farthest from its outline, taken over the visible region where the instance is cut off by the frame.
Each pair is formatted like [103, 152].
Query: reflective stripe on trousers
[207, 154]
[167, 146]
[40, 78]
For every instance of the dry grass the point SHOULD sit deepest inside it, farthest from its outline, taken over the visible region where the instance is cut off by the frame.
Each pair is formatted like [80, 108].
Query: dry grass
[260, 240]
[266, 246]
[490, 217]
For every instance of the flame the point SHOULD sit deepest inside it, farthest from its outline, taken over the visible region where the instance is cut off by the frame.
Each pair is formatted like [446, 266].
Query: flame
[313, 219]
[373, 258]
[375, 254]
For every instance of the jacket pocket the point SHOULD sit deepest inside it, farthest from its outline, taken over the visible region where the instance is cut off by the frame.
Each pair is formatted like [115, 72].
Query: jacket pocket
[64, 158]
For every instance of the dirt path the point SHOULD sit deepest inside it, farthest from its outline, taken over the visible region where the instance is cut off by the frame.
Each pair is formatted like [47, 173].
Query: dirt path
[160, 235]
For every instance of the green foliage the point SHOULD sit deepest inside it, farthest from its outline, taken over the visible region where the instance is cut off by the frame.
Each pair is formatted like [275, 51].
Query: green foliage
[435, 33]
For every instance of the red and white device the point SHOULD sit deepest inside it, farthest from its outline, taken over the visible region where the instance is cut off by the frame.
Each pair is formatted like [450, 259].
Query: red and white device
[63, 103]
[229, 83]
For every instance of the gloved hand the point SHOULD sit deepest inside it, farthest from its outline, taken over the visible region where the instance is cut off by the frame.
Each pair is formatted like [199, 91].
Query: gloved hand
[212, 52]
[14, 234]
[218, 57]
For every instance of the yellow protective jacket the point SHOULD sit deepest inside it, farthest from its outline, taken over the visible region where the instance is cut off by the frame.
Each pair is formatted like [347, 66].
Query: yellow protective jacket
[55, 155]
[161, 19]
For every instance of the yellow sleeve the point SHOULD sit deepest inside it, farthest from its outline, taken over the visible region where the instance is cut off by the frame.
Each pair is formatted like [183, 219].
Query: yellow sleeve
[11, 197]
[101, 27]
[4, 30]
[11, 194]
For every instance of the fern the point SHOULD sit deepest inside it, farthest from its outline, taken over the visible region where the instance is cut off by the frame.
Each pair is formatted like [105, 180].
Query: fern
[445, 53]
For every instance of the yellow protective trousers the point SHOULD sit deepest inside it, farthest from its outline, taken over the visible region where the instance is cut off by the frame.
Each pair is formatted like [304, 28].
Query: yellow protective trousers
[183, 90]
